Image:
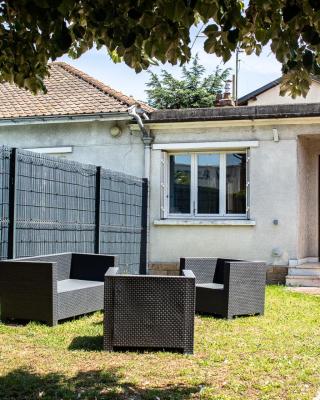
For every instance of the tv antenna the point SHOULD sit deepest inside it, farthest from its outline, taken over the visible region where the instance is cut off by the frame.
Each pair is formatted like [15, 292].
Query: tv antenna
[236, 76]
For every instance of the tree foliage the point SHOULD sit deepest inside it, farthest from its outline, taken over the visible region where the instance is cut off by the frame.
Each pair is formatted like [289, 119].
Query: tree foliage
[193, 90]
[33, 32]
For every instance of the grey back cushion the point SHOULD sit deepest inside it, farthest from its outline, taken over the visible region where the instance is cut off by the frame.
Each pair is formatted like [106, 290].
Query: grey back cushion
[204, 269]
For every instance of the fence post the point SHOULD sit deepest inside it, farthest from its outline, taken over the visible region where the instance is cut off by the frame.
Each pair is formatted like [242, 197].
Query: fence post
[144, 227]
[12, 205]
[97, 212]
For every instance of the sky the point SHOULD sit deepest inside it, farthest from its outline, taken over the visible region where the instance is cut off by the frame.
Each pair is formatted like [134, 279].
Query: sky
[254, 71]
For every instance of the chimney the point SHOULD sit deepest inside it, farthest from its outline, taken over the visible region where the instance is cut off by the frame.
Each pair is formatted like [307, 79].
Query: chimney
[218, 98]
[225, 100]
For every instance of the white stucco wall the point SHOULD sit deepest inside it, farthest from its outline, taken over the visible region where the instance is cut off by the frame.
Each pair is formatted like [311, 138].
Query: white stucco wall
[274, 194]
[91, 143]
[272, 97]
[279, 182]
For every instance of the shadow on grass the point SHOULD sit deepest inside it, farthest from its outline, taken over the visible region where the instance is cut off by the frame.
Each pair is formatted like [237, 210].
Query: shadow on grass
[88, 343]
[25, 384]
[95, 343]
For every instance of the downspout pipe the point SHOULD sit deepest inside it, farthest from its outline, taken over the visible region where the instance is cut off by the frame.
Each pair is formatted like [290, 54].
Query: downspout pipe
[133, 112]
[146, 137]
[147, 140]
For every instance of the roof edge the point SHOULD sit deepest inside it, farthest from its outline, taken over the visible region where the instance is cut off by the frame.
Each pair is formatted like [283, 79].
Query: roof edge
[39, 119]
[129, 101]
[236, 113]
[244, 99]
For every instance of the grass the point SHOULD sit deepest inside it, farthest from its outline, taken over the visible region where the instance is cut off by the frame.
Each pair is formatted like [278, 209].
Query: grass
[276, 356]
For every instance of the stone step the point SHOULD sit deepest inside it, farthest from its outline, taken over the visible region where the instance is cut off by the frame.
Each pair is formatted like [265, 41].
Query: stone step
[303, 280]
[306, 265]
[305, 269]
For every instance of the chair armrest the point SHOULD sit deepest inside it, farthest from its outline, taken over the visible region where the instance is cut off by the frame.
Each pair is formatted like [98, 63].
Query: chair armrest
[91, 267]
[31, 273]
[28, 290]
[245, 272]
[112, 271]
[187, 273]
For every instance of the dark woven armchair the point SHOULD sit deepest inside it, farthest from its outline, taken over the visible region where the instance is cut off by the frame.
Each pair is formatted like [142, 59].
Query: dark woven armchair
[228, 287]
[147, 311]
[53, 287]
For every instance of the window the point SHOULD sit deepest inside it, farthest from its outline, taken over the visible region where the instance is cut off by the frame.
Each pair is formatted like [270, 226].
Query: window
[180, 184]
[207, 184]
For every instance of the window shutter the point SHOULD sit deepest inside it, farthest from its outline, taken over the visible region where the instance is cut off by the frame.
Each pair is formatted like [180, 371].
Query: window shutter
[248, 183]
[163, 185]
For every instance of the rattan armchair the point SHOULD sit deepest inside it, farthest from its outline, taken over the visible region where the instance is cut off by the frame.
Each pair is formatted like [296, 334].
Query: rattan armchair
[149, 312]
[53, 287]
[228, 287]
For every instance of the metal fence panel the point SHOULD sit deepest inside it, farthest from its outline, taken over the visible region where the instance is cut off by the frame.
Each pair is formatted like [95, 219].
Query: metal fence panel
[55, 205]
[121, 216]
[5, 153]
[61, 205]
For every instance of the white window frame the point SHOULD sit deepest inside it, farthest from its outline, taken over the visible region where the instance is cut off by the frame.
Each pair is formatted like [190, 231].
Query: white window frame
[194, 184]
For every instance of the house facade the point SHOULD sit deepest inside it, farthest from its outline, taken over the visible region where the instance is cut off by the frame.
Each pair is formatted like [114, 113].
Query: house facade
[239, 182]
[235, 182]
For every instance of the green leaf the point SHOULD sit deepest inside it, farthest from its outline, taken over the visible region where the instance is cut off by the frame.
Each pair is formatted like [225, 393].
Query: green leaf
[210, 45]
[213, 28]
[32, 32]
[233, 35]
[63, 38]
[310, 35]
[307, 60]
[290, 11]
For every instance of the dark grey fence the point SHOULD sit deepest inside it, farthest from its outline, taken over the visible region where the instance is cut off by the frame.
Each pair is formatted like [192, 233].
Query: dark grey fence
[51, 205]
[4, 199]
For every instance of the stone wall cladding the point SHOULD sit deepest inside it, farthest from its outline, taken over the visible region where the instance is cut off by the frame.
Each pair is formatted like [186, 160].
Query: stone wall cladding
[163, 269]
[275, 275]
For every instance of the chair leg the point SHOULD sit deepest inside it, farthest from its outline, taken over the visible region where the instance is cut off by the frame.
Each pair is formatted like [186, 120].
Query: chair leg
[52, 322]
[107, 344]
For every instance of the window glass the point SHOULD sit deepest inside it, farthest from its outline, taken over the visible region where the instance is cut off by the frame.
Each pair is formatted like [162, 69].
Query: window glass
[180, 181]
[236, 183]
[208, 183]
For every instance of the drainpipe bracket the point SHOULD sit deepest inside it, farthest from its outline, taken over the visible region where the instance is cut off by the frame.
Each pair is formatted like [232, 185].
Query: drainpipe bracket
[147, 140]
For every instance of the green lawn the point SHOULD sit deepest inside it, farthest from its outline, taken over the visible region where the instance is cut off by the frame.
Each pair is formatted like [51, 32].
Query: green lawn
[272, 357]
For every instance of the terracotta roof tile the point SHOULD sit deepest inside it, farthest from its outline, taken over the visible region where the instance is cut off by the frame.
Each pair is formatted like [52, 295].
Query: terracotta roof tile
[70, 92]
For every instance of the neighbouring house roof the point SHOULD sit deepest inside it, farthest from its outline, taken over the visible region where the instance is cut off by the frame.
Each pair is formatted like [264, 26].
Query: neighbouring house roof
[242, 101]
[70, 92]
[236, 113]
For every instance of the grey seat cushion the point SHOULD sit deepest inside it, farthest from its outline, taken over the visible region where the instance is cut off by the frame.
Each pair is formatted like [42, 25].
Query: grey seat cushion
[211, 285]
[68, 285]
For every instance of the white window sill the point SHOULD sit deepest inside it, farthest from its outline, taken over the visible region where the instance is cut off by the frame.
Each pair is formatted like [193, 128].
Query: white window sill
[204, 222]
[51, 150]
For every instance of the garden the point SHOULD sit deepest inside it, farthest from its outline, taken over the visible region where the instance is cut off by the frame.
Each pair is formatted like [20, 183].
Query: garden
[275, 356]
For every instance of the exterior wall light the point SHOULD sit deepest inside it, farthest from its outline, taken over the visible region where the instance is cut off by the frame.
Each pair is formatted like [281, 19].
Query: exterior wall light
[115, 131]
[276, 252]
